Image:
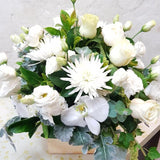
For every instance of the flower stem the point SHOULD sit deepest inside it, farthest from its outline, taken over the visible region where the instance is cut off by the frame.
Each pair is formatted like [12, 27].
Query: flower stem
[142, 150]
[136, 34]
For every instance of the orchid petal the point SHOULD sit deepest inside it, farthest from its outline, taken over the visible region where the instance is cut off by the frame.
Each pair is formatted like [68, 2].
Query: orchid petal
[93, 125]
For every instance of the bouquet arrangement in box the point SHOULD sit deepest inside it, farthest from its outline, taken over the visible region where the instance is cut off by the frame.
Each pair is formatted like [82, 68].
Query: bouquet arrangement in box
[80, 80]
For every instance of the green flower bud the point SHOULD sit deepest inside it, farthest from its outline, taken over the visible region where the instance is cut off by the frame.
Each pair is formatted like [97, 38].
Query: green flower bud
[116, 18]
[148, 26]
[127, 26]
[25, 30]
[73, 1]
[64, 45]
[28, 99]
[15, 39]
[61, 61]
[22, 36]
[155, 59]
[154, 75]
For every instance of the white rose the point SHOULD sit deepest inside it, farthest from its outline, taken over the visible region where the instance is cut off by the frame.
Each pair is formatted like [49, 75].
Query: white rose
[122, 53]
[3, 58]
[128, 80]
[153, 90]
[140, 49]
[146, 111]
[112, 33]
[34, 35]
[88, 27]
[156, 70]
[49, 100]
[9, 83]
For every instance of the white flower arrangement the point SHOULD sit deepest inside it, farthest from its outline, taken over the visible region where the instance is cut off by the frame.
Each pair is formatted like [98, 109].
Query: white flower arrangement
[83, 77]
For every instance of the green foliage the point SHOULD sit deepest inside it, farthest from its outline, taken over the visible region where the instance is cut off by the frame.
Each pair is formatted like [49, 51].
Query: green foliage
[45, 130]
[52, 31]
[64, 133]
[31, 77]
[24, 125]
[152, 154]
[125, 139]
[71, 38]
[107, 151]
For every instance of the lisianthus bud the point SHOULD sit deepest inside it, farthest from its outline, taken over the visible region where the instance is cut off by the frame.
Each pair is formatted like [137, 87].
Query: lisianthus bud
[148, 26]
[3, 58]
[127, 26]
[88, 27]
[154, 75]
[15, 39]
[116, 18]
[22, 36]
[28, 99]
[61, 61]
[73, 1]
[25, 30]
[64, 45]
[155, 59]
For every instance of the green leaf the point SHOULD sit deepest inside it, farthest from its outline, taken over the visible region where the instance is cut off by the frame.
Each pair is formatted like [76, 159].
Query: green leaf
[83, 50]
[24, 125]
[64, 133]
[65, 19]
[153, 153]
[52, 31]
[70, 38]
[139, 132]
[125, 139]
[112, 111]
[107, 151]
[131, 40]
[31, 77]
[55, 78]
[77, 39]
[45, 130]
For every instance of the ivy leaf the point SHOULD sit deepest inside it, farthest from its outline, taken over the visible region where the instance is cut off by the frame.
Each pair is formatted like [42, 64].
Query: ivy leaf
[107, 151]
[125, 139]
[153, 153]
[52, 31]
[64, 133]
[31, 77]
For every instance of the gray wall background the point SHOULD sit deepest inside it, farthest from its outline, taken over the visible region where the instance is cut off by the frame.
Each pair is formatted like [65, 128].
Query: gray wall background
[15, 13]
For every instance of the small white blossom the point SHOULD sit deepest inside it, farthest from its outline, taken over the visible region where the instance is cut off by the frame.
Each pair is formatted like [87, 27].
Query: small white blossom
[87, 75]
[140, 49]
[3, 58]
[87, 112]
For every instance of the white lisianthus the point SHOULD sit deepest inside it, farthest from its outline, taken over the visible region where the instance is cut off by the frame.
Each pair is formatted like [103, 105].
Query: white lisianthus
[112, 33]
[128, 80]
[49, 100]
[88, 27]
[140, 49]
[146, 111]
[156, 70]
[127, 26]
[3, 58]
[34, 35]
[86, 76]
[9, 83]
[153, 90]
[87, 112]
[122, 53]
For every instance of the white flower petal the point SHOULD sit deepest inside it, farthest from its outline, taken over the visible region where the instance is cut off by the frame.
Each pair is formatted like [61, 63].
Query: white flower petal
[71, 117]
[93, 125]
[98, 108]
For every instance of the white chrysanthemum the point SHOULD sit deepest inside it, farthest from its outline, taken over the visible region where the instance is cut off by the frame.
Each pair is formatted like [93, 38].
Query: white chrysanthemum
[47, 48]
[87, 75]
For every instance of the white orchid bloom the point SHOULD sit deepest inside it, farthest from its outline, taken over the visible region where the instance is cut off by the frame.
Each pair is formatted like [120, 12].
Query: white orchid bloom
[88, 112]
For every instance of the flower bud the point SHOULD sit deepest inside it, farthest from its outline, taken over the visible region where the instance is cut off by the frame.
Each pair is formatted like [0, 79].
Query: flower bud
[64, 45]
[154, 75]
[28, 99]
[3, 58]
[116, 18]
[127, 26]
[73, 1]
[155, 59]
[25, 30]
[15, 39]
[148, 26]
[61, 61]
[22, 36]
